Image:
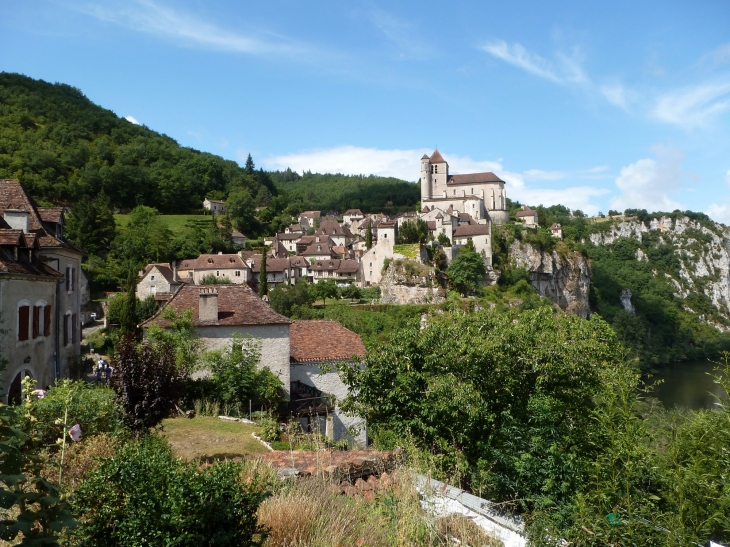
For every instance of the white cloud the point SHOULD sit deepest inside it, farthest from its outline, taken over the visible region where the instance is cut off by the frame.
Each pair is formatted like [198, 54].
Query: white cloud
[405, 164]
[695, 106]
[719, 213]
[648, 183]
[539, 174]
[519, 56]
[153, 18]
[615, 94]
[131, 119]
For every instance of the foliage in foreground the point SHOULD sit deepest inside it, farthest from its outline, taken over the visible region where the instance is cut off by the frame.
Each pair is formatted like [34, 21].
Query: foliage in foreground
[145, 496]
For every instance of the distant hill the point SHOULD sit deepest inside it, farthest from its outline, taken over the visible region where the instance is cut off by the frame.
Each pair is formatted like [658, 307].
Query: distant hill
[63, 148]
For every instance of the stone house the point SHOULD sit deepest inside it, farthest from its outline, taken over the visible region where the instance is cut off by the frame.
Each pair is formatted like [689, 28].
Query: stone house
[309, 219]
[340, 271]
[480, 236]
[219, 265]
[528, 216]
[289, 240]
[372, 261]
[278, 271]
[238, 238]
[352, 216]
[320, 248]
[221, 311]
[339, 235]
[315, 348]
[40, 291]
[557, 230]
[215, 206]
[160, 280]
[294, 229]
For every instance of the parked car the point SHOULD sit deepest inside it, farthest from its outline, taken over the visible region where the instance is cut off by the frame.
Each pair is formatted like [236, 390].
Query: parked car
[93, 316]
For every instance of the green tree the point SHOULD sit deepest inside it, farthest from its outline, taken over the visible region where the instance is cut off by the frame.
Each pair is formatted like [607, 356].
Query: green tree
[263, 277]
[465, 271]
[413, 231]
[249, 167]
[369, 236]
[287, 299]
[128, 316]
[241, 209]
[91, 225]
[323, 290]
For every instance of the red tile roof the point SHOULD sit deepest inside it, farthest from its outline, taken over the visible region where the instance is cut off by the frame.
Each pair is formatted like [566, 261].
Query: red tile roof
[316, 341]
[471, 230]
[165, 271]
[237, 306]
[474, 178]
[336, 265]
[213, 262]
[526, 212]
[436, 157]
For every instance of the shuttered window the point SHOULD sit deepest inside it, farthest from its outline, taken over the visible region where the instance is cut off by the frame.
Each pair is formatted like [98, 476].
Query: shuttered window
[68, 278]
[23, 320]
[74, 327]
[36, 321]
[65, 329]
[47, 321]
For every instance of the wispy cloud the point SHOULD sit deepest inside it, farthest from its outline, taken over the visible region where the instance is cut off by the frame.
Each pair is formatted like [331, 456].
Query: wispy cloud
[693, 107]
[405, 164]
[402, 34]
[517, 55]
[615, 94]
[154, 18]
[649, 182]
[131, 119]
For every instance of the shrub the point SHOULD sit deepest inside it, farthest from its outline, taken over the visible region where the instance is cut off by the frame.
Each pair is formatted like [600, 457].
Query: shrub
[148, 497]
[94, 408]
[148, 382]
[212, 279]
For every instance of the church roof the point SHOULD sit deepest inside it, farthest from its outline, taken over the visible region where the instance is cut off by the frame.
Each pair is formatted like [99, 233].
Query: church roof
[474, 178]
[436, 157]
[425, 157]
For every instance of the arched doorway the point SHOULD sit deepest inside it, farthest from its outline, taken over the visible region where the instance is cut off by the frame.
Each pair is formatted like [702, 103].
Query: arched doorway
[16, 387]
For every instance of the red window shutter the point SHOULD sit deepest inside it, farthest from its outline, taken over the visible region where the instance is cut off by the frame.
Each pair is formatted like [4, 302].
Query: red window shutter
[23, 319]
[74, 325]
[36, 321]
[47, 321]
[65, 330]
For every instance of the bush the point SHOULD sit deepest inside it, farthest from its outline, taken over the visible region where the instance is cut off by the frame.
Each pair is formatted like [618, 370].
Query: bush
[146, 496]
[212, 279]
[93, 407]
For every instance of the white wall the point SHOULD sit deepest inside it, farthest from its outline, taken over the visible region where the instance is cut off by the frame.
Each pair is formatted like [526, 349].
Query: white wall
[330, 383]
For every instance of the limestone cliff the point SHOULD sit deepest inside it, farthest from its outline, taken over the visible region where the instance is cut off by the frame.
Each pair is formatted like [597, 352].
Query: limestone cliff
[699, 273]
[565, 278]
[408, 282]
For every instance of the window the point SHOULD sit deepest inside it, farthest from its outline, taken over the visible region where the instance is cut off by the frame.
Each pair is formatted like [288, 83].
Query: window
[47, 320]
[385, 236]
[153, 289]
[152, 278]
[36, 321]
[74, 327]
[454, 191]
[435, 168]
[238, 273]
[68, 278]
[23, 319]
[432, 168]
[217, 273]
[65, 329]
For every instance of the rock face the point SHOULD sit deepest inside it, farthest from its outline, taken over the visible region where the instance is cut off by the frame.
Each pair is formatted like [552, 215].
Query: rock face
[565, 279]
[407, 282]
[703, 251]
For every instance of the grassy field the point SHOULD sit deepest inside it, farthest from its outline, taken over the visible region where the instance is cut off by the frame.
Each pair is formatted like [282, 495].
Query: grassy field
[176, 223]
[210, 437]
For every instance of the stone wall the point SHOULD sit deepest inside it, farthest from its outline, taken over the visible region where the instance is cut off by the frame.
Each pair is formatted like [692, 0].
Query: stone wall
[408, 282]
[564, 278]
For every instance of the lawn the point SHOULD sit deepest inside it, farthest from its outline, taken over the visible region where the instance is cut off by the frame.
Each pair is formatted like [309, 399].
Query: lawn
[210, 437]
[176, 223]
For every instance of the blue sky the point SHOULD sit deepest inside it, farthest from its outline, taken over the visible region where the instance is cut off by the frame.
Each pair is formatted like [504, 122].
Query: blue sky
[593, 105]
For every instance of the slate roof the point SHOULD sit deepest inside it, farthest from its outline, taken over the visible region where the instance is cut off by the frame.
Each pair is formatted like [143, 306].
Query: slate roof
[238, 305]
[473, 178]
[317, 341]
[471, 230]
[213, 262]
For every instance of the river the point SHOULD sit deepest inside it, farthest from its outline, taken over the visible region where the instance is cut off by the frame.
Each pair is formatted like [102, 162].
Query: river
[687, 384]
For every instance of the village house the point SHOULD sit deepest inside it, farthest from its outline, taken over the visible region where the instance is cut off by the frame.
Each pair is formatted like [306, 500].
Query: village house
[315, 348]
[321, 248]
[339, 235]
[215, 206]
[289, 240]
[158, 280]
[557, 230]
[219, 265]
[238, 239]
[528, 216]
[309, 219]
[278, 270]
[294, 229]
[372, 261]
[479, 235]
[340, 271]
[40, 291]
[352, 216]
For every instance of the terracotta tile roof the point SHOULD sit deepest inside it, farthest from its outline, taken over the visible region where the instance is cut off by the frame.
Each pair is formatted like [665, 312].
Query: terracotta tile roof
[237, 306]
[526, 212]
[474, 178]
[272, 264]
[425, 157]
[12, 237]
[316, 341]
[332, 227]
[213, 262]
[53, 215]
[471, 230]
[344, 266]
[555, 226]
[165, 271]
[311, 214]
[351, 212]
[425, 209]
[23, 266]
[296, 228]
[319, 248]
[236, 233]
[289, 237]
[431, 224]
[436, 157]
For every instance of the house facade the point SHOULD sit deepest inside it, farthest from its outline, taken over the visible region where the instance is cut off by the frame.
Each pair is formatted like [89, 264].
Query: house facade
[215, 206]
[220, 265]
[159, 280]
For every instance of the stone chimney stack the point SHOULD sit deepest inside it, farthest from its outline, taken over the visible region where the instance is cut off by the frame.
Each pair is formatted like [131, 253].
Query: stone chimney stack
[174, 271]
[208, 304]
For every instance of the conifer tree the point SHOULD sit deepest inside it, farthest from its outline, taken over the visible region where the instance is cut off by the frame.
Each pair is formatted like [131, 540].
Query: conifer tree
[369, 236]
[263, 282]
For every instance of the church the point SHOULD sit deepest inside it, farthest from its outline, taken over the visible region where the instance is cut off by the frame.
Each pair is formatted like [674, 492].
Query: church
[480, 195]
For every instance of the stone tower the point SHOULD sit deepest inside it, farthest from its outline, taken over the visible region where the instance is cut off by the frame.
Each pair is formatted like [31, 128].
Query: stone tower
[426, 191]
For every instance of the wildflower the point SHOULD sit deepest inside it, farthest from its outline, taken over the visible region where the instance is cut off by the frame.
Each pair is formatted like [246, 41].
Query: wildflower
[75, 432]
[40, 393]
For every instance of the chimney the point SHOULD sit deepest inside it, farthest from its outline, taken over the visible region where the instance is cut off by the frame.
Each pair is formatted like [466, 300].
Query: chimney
[208, 305]
[174, 271]
[16, 219]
